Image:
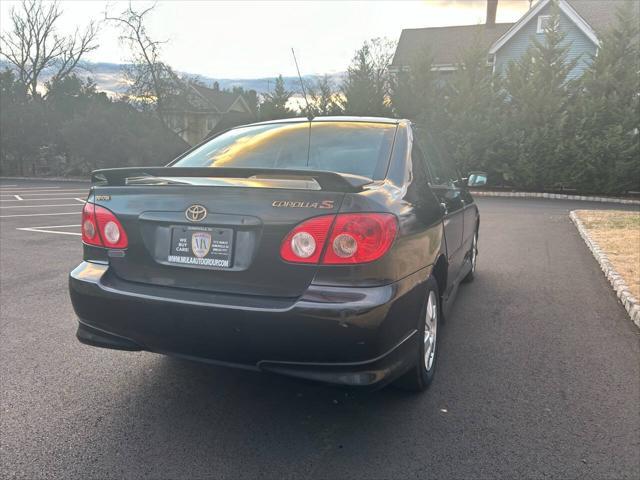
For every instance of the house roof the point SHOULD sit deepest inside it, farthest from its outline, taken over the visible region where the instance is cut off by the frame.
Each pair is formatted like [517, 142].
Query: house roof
[446, 45]
[600, 15]
[199, 98]
[221, 101]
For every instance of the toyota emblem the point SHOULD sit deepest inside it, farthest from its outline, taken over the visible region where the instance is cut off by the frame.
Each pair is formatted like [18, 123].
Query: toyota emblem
[196, 213]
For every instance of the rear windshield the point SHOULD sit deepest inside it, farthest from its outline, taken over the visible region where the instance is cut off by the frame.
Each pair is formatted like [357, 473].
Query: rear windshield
[359, 148]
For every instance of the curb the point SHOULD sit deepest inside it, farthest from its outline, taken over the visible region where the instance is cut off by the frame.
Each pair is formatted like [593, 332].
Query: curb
[631, 303]
[555, 196]
[48, 179]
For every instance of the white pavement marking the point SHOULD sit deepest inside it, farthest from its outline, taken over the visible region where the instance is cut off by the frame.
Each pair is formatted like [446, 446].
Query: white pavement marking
[42, 206]
[32, 187]
[40, 199]
[51, 226]
[18, 197]
[40, 193]
[80, 200]
[46, 229]
[40, 214]
[4, 188]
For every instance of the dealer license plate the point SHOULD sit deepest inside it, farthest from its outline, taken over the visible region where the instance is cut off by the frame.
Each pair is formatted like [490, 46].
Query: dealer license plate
[201, 246]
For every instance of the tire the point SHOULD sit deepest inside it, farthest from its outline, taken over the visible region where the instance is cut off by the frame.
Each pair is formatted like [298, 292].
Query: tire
[421, 374]
[474, 259]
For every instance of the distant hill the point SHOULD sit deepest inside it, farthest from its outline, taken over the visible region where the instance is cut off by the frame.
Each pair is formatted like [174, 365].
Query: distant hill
[109, 78]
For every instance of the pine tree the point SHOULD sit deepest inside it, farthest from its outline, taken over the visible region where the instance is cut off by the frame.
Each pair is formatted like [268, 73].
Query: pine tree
[323, 97]
[274, 105]
[606, 114]
[366, 89]
[415, 91]
[468, 113]
[539, 88]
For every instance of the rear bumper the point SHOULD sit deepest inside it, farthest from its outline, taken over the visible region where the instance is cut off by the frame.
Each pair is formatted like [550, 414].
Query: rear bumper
[349, 336]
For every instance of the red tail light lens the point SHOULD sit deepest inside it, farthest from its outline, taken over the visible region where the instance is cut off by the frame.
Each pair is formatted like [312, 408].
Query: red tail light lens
[90, 234]
[351, 238]
[304, 243]
[360, 237]
[101, 228]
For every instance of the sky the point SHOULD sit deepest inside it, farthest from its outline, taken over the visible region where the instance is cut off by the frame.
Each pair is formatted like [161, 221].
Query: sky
[239, 39]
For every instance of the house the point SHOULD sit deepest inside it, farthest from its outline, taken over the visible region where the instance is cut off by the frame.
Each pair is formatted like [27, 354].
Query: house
[446, 45]
[583, 21]
[199, 111]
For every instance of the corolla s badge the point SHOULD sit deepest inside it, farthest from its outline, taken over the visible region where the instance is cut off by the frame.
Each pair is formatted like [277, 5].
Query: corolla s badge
[196, 213]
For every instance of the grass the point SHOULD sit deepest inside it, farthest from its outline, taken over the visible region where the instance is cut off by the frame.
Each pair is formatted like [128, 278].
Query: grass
[618, 235]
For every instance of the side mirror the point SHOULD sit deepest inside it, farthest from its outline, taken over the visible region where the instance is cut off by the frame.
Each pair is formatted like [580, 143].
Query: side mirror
[477, 179]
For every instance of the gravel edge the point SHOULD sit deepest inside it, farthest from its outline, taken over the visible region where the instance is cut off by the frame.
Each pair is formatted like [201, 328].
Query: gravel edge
[631, 303]
[555, 196]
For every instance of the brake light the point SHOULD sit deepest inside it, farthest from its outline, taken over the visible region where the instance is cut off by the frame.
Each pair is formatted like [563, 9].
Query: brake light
[304, 243]
[350, 238]
[360, 237]
[90, 234]
[101, 228]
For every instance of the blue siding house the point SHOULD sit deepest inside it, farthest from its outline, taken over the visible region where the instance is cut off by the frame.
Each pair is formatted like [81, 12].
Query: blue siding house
[583, 22]
[581, 37]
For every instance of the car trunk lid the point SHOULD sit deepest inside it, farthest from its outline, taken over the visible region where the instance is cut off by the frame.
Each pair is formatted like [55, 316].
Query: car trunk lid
[234, 246]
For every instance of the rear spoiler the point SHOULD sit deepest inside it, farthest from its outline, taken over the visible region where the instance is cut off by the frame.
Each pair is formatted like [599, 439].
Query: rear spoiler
[330, 181]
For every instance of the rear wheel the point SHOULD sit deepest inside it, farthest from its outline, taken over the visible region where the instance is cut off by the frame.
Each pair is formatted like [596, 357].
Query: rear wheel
[473, 257]
[420, 376]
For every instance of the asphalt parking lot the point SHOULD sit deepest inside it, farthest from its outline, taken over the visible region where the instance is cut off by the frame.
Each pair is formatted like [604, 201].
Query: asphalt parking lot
[539, 374]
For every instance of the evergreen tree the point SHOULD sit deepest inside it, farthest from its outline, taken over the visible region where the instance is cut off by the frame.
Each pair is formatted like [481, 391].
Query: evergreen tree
[274, 105]
[539, 89]
[323, 97]
[466, 113]
[22, 126]
[367, 88]
[416, 92]
[606, 115]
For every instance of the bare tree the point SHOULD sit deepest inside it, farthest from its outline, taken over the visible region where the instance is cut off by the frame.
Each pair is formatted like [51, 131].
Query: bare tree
[151, 79]
[33, 46]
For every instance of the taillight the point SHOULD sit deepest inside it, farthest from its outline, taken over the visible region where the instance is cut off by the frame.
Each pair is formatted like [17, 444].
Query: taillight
[90, 234]
[101, 228]
[304, 243]
[360, 237]
[350, 238]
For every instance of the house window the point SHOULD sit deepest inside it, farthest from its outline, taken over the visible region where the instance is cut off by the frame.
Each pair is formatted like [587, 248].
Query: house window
[543, 23]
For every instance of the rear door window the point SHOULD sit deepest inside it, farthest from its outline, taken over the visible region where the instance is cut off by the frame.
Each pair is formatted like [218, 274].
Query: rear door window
[441, 171]
[359, 148]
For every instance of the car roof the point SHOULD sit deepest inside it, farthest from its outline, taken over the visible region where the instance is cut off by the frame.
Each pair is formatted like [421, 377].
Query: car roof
[393, 121]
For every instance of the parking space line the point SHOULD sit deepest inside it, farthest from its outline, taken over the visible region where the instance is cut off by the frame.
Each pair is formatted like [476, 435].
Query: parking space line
[80, 200]
[18, 197]
[40, 199]
[32, 187]
[6, 189]
[41, 206]
[51, 226]
[40, 214]
[45, 230]
[41, 192]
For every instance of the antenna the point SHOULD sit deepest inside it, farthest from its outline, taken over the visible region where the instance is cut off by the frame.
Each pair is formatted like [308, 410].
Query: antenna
[309, 113]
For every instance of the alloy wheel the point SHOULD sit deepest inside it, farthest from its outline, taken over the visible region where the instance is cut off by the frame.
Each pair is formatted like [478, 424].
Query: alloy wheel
[430, 330]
